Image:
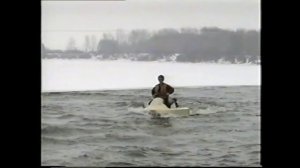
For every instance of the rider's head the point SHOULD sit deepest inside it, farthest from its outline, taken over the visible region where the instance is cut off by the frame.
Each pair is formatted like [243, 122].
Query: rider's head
[161, 78]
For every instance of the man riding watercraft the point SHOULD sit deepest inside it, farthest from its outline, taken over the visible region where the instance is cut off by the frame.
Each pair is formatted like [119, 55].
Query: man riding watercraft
[163, 91]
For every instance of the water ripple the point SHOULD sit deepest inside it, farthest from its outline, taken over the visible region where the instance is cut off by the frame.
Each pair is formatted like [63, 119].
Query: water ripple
[109, 128]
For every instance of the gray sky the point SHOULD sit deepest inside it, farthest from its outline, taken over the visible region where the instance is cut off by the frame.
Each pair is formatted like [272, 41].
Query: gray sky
[64, 19]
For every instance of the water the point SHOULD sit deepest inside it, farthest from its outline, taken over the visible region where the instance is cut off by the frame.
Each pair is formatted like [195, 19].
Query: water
[109, 128]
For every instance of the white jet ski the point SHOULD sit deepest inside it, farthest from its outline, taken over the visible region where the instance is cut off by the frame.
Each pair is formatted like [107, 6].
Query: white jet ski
[158, 109]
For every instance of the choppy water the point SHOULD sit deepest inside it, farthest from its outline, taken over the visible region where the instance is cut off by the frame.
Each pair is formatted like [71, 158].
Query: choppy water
[109, 128]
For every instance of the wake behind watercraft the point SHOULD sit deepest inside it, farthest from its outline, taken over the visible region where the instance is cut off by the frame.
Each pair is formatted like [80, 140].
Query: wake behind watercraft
[157, 108]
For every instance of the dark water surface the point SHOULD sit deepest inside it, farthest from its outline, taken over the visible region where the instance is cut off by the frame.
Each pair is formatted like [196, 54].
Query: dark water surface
[109, 128]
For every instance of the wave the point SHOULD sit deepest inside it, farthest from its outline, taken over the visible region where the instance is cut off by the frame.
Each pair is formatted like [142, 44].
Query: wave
[48, 130]
[52, 107]
[52, 140]
[121, 104]
[64, 130]
[209, 110]
[137, 103]
[74, 93]
[120, 164]
[136, 110]
[67, 116]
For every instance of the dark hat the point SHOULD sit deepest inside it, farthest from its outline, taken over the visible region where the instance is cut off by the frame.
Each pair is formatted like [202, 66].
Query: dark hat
[161, 76]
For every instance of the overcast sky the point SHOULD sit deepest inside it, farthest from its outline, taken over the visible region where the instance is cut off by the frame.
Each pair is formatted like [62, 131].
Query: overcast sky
[64, 19]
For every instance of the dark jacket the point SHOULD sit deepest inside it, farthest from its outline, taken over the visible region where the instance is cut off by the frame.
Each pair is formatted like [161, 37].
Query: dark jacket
[162, 90]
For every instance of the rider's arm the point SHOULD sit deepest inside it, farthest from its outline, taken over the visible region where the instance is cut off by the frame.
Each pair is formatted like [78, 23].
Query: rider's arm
[170, 89]
[153, 91]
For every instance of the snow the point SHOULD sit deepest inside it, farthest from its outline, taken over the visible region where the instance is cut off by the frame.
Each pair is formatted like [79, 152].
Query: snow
[84, 75]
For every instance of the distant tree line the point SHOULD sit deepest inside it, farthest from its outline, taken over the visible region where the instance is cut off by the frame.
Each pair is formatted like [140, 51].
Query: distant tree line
[187, 44]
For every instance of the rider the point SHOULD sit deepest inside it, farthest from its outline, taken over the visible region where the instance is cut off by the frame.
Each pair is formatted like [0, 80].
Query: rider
[163, 91]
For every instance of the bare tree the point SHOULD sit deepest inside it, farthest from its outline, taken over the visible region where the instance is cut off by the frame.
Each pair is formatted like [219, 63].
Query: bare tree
[93, 43]
[87, 44]
[137, 36]
[121, 36]
[108, 36]
[71, 44]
